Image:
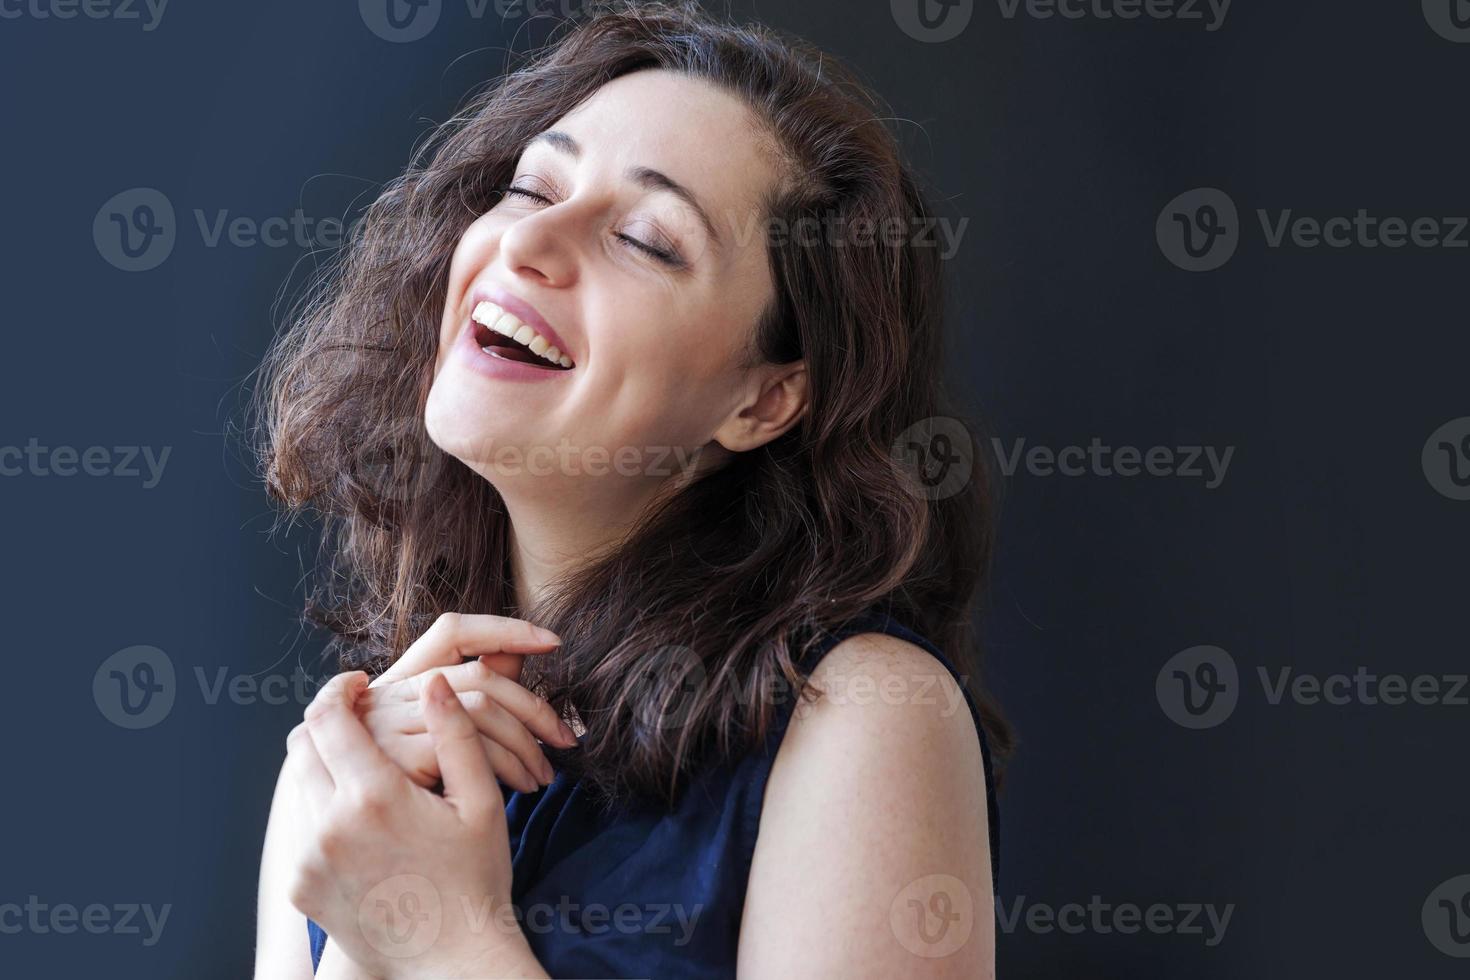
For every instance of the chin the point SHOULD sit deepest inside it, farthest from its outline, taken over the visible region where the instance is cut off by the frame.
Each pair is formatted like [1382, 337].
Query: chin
[462, 423]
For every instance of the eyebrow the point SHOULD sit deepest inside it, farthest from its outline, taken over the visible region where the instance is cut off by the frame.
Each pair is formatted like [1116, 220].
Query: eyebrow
[645, 177]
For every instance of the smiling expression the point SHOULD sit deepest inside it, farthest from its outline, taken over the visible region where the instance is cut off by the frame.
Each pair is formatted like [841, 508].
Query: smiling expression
[617, 243]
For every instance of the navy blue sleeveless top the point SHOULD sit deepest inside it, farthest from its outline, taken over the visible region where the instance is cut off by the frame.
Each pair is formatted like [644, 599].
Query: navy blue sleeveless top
[647, 892]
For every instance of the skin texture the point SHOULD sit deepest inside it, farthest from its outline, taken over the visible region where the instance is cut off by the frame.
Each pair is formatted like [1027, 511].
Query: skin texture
[659, 351]
[877, 786]
[657, 348]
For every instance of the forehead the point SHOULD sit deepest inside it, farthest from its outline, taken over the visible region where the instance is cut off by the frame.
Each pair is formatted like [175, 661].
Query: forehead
[697, 133]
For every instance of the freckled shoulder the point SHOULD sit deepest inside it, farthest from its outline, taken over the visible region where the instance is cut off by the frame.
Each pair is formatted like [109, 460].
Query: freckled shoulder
[888, 680]
[878, 786]
[894, 703]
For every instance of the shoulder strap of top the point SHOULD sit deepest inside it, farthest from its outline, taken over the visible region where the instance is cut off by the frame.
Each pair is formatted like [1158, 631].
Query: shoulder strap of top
[879, 620]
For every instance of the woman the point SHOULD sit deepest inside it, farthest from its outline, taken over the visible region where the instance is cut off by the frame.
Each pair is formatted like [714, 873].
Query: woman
[632, 353]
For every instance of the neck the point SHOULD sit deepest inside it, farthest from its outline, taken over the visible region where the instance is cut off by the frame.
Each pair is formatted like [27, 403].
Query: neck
[549, 540]
[557, 528]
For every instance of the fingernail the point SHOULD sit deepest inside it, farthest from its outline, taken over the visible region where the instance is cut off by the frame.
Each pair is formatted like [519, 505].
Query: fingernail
[547, 773]
[568, 736]
[547, 636]
[438, 689]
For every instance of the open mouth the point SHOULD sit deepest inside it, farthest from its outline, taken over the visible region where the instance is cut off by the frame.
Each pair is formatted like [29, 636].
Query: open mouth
[501, 334]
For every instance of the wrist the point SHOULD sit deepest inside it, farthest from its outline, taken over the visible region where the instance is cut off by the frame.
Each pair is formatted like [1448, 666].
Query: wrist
[504, 957]
[512, 958]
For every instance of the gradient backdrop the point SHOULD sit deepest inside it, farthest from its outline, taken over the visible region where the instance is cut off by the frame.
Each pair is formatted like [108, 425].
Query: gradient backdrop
[1208, 294]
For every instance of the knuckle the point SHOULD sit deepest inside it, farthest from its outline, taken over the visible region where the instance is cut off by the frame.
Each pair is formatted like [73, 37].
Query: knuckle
[295, 737]
[312, 716]
[332, 839]
[371, 800]
[301, 888]
[475, 702]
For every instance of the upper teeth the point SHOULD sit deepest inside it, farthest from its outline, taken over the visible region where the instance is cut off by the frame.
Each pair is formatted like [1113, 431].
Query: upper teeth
[501, 322]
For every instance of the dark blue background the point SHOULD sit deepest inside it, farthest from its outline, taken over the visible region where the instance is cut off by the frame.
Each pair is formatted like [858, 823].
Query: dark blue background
[1325, 548]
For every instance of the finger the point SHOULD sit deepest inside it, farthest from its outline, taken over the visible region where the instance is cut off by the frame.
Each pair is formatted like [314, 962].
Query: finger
[313, 781]
[533, 712]
[414, 754]
[509, 769]
[507, 665]
[345, 746]
[503, 728]
[469, 782]
[455, 636]
[398, 726]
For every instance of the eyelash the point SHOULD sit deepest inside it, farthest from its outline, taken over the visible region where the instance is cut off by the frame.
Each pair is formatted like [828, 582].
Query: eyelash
[660, 255]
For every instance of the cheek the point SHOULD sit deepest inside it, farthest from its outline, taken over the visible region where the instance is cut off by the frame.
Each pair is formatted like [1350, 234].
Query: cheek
[476, 248]
[674, 384]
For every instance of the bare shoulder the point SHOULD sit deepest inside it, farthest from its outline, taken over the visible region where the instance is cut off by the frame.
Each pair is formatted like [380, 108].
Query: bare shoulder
[877, 791]
[875, 686]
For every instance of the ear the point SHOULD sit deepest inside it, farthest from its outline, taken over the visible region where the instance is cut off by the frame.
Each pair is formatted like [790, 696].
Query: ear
[777, 400]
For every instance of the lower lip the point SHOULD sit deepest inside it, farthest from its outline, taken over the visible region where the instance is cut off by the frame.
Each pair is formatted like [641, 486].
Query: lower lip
[500, 367]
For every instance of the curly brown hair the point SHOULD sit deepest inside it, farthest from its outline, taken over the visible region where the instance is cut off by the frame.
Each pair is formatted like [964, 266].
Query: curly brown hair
[724, 586]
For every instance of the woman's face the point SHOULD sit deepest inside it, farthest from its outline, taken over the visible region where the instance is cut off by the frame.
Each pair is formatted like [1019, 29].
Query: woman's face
[626, 244]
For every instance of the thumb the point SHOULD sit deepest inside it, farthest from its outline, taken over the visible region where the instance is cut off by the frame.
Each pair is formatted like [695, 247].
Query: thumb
[469, 782]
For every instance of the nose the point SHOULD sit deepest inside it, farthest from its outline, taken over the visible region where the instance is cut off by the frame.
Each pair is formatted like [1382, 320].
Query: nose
[542, 247]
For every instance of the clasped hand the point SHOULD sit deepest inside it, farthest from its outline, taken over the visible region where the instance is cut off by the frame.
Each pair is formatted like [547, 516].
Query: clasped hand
[407, 881]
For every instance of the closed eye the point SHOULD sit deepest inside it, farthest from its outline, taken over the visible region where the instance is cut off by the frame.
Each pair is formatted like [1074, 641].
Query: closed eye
[663, 255]
[522, 192]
